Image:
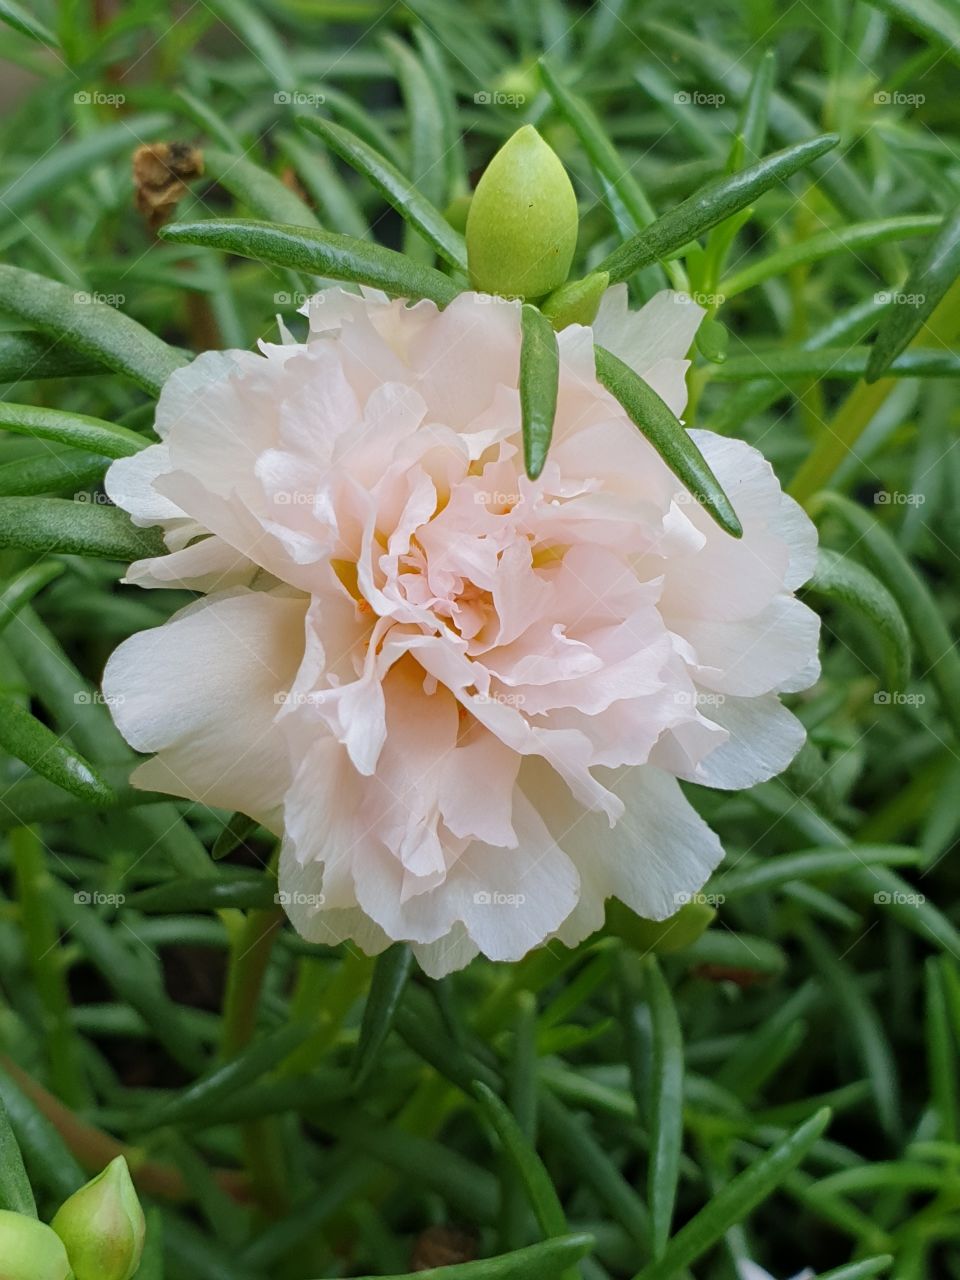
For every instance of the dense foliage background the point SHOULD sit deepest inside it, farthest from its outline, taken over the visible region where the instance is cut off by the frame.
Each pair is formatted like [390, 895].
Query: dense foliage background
[282, 1117]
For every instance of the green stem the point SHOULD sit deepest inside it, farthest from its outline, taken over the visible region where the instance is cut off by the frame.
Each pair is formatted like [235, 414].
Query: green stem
[45, 957]
[250, 951]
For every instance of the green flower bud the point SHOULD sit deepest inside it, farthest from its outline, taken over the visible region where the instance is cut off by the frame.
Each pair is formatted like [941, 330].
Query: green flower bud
[29, 1250]
[102, 1226]
[522, 226]
[661, 936]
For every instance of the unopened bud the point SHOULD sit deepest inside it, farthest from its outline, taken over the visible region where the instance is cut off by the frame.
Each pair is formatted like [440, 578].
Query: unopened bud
[102, 1226]
[522, 226]
[29, 1250]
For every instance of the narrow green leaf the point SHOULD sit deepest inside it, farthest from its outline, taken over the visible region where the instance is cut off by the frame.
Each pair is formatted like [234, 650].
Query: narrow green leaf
[16, 1194]
[539, 378]
[49, 1159]
[74, 429]
[839, 577]
[537, 1262]
[849, 239]
[257, 188]
[58, 525]
[20, 589]
[864, 1026]
[622, 193]
[941, 1052]
[666, 1106]
[52, 471]
[234, 833]
[735, 1200]
[26, 356]
[835, 362]
[339, 209]
[321, 252]
[752, 125]
[392, 184]
[120, 956]
[79, 320]
[390, 975]
[809, 864]
[788, 124]
[667, 435]
[53, 172]
[862, 1270]
[931, 635]
[927, 283]
[595, 1168]
[709, 206]
[22, 20]
[250, 1065]
[26, 738]
[934, 20]
[536, 1181]
[248, 891]
[425, 120]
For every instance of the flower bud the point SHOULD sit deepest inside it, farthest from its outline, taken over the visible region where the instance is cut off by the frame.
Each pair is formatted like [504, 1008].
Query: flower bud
[522, 226]
[102, 1226]
[29, 1250]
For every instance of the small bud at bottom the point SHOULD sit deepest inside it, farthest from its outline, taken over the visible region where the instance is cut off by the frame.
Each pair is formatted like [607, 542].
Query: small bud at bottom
[29, 1250]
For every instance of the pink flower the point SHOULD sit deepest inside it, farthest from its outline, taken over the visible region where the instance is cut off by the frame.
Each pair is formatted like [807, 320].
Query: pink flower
[463, 698]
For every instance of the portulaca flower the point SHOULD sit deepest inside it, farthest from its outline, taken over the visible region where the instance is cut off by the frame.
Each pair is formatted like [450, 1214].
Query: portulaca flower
[463, 698]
